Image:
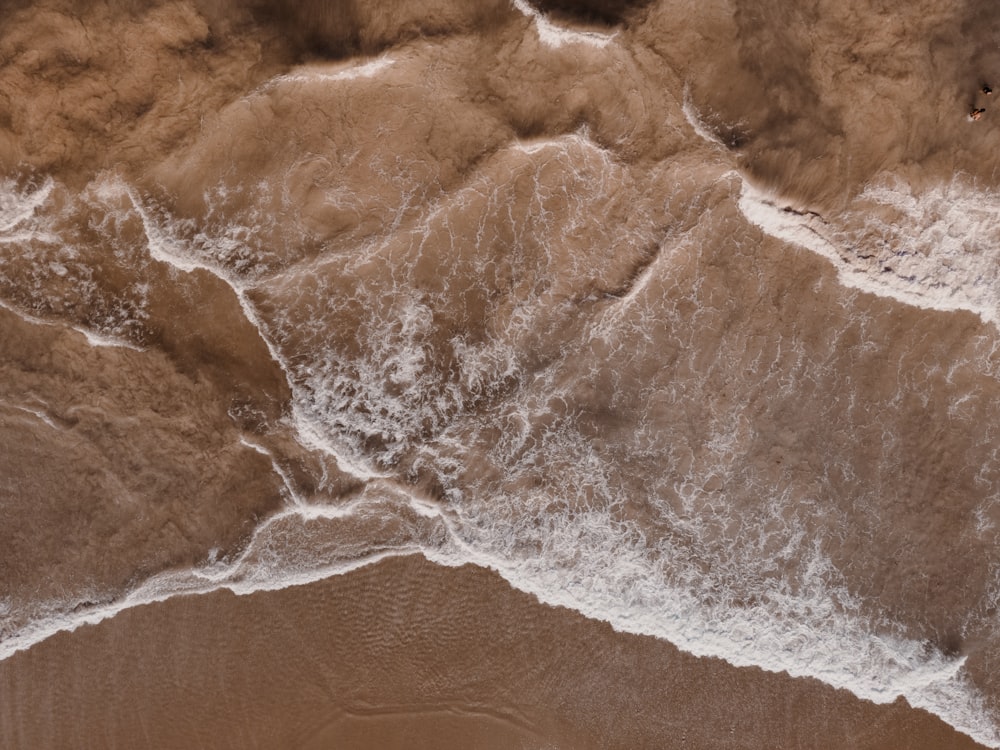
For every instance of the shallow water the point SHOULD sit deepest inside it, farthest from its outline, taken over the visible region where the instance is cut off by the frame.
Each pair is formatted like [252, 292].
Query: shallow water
[684, 318]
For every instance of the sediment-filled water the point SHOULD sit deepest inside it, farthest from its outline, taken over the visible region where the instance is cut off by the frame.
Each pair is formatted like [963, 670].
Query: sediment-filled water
[682, 317]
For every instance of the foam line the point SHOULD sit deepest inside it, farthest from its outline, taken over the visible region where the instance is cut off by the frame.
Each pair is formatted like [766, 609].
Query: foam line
[163, 248]
[40, 415]
[26, 317]
[247, 574]
[17, 207]
[924, 272]
[555, 36]
[311, 437]
[286, 480]
[313, 74]
[162, 588]
[694, 120]
[28, 235]
[843, 652]
[100, 339]
[91, 337]
[326, 74]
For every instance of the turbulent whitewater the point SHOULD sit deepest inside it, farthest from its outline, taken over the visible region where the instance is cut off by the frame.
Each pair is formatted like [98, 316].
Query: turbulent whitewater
[523, 287]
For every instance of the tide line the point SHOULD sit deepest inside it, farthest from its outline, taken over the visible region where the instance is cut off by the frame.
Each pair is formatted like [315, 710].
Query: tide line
[931, 276]
[555, 36]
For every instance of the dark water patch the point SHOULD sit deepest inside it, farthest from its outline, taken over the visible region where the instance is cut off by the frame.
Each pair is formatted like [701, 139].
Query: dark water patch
[603, 12]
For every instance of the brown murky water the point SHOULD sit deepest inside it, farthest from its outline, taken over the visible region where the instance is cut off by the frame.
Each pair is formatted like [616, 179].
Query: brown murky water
[680, 316]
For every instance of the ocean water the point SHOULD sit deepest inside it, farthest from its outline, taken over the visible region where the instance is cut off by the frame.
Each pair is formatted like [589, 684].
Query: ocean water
[683, 317]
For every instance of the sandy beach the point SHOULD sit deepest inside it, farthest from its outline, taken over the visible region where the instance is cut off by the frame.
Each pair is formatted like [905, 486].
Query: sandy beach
[407, 654]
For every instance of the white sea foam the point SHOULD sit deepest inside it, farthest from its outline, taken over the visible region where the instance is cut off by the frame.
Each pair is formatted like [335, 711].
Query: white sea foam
[17, 206]
[697, 124]
[168, 247]
[38, 414]
[295, 546]
[101, 339]
[939, 249]
[805, 634]
[92, 337]
[327, 74]
[311, 435]
[26, 316]
[293, 495]
[579, 141]
[552, 35]
[35, 252]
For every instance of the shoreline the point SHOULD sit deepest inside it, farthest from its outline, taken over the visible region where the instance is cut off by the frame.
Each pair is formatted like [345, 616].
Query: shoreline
[412, 642]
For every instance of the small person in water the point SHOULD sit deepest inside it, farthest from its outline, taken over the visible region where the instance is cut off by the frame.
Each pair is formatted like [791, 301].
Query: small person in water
[986, 89]
[975, 114]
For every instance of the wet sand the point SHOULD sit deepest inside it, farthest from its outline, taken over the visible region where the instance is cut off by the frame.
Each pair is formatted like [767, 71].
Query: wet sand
[408, 654]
